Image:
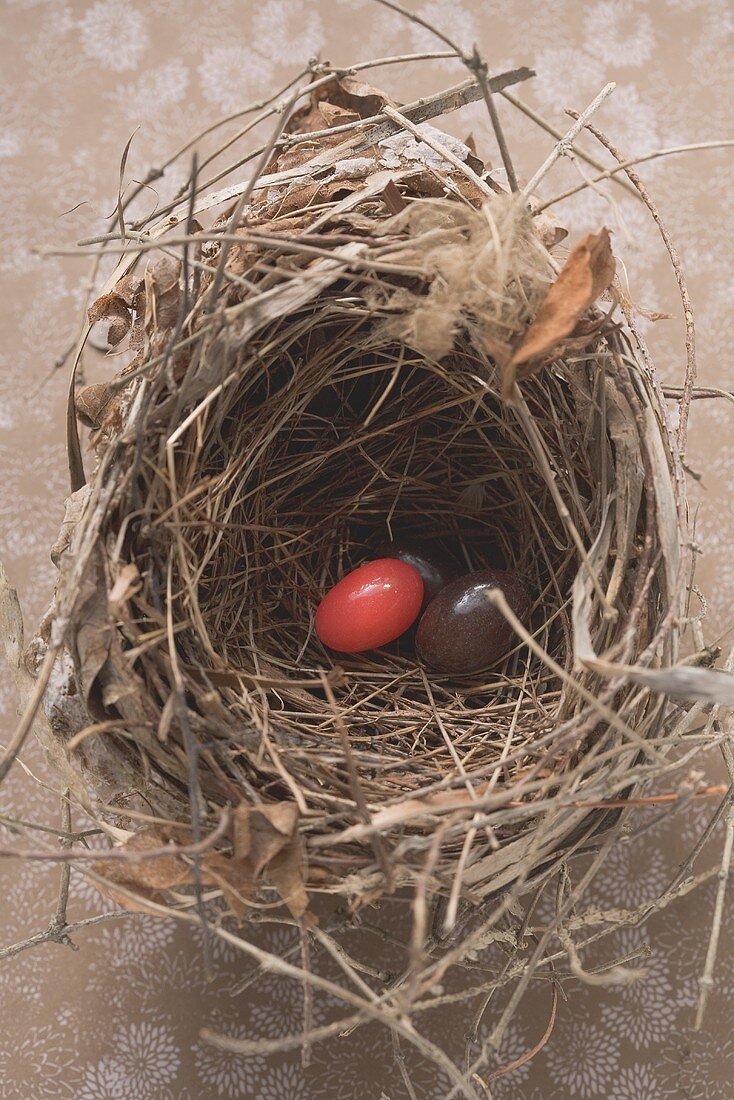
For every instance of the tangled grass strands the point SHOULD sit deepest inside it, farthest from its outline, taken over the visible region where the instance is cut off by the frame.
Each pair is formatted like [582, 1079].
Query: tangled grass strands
[338, 358]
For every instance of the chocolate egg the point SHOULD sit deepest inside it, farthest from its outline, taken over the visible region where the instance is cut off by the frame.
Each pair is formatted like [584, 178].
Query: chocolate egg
[435, 568]
[461, 631]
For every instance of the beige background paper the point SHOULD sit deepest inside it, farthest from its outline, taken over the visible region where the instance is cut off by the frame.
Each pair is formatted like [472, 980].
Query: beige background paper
[120, 1018]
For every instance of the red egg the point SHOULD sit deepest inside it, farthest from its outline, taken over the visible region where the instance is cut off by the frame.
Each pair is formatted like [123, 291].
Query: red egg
[371, 606]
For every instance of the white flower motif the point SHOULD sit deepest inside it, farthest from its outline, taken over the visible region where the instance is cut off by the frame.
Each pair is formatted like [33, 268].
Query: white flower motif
[643, 1012]
[278, 939]
[22, 977]
[168, 975]
[583, 1058]
[222, 952]
[699, 1065]
[618, 32]
[296, 27]
[232, 1075]
[30, 889]
[27, 532]
[719, 563]
[683, 939]
[632, 874]
[637, 1082]
[126, 949]
[711, 44]
[633, 228]
[7, 415]
[448, 1031]
[142, 935]
[231, 76]
[361, 1063]
[115, 34]
[514, 1045]
[156, 90]
[435, 1084]
[36, 1065]
[285, 1081]
[147, 1056]
[102, 1081]
[276, 1009]
[456, 20]
[634, 124]
[568, 76]
[10, 142]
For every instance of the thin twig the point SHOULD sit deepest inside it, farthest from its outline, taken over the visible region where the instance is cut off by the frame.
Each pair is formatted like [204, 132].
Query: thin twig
[52, 935]
[610, 173]
[706, 980]
[566, 142]
[549, 128]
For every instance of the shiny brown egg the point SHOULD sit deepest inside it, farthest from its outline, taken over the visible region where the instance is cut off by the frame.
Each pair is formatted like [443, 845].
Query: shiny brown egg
[461, 632]
[436, 569]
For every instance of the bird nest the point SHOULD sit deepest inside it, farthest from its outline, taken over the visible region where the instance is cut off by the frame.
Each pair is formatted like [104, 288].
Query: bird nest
[376, 338]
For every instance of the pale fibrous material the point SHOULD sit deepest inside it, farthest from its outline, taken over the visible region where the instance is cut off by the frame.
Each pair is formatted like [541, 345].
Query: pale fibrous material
[375, 335]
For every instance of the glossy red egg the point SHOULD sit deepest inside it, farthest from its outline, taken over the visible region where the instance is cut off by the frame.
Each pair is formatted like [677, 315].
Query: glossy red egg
[371, 606]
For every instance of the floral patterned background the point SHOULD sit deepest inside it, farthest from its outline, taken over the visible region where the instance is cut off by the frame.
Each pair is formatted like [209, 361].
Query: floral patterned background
[120, 1018]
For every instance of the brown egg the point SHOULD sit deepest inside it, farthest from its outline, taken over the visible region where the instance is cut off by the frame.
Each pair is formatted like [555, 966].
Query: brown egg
[461, 631]
[436, 569]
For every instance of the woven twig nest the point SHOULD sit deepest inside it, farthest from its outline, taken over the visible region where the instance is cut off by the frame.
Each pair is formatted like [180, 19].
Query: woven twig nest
[376, 338]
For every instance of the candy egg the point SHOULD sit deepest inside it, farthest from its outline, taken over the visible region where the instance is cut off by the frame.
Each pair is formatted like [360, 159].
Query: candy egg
[371, 606]
[461, 631]
[435, 568]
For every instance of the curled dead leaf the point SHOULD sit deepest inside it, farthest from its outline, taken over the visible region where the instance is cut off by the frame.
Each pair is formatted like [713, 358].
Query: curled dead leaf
[587, 273]
[267, 845]
[91, 402]
[148, 879]
[162, 294]
[73, 511]
[113, 308]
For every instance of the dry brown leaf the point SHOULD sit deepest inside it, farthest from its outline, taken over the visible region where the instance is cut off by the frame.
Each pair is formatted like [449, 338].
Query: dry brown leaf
[332, 104]
[113, 308]
[92, 632]
[334, 115]
[550, 230]
[91, 402]
[232, 878]
[588, 272]
[331, 101]
[286, 873]
[162, 294]
[261, 831]
[148, 879]
[267, 845]
[73, 511]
